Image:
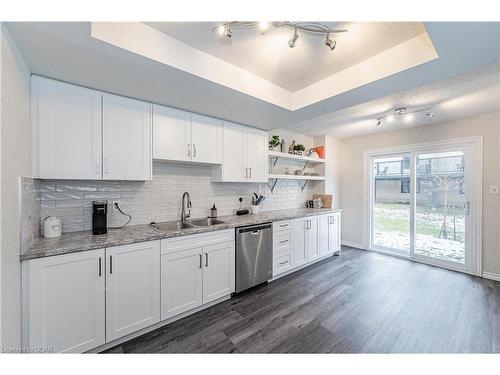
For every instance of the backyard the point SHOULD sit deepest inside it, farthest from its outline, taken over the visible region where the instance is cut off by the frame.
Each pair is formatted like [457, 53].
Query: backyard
[392, 230]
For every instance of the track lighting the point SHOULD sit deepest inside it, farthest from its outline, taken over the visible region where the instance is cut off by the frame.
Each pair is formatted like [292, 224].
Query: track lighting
[407, 115]
[294, 38]
[224, 30]
[330, 43]
[263, 25]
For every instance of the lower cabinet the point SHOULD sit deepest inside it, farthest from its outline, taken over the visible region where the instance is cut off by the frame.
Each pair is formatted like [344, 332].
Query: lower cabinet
[330, 233]
[132, 288]
[306, 240]
[196, 270]
[63, 302]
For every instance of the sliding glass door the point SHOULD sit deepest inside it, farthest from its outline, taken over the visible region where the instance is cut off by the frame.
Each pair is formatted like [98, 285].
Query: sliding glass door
[420, 205]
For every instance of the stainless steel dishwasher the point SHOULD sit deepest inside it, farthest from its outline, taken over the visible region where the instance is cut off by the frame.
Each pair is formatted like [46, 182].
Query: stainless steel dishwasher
[254, 255]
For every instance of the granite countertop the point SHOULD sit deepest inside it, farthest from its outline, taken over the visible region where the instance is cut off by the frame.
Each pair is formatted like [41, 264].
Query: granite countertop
[82, 241]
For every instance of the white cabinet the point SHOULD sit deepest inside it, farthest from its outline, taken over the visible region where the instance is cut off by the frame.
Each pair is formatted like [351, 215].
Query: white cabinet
[196, 270]
[206, 139]
[66, 126]
[181, 282]
[63, 302]
[83, 134]
[330, 226]
[244, 155]
[182, 136]
[306, 240]
[126, 138]
[132, 288]
[218, 271]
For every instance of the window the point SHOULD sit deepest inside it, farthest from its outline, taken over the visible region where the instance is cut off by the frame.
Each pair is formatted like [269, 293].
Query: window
[405, 186]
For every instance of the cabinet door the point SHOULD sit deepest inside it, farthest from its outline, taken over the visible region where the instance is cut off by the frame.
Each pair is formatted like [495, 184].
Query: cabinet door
[132, 288]
[171, 134]
[206, 139]
[67, 130]
[257, 158]
[335, 243]
[126, 139]
[181, 282]
[65, 301]
[312, 241]
[234, 153]
[299, 254]
[218, 271]
[324, 235]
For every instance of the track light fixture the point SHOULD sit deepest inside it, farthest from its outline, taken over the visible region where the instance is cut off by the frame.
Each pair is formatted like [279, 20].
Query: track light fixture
[403, 113]
[293, 39]
[330, 43]
[315, 28]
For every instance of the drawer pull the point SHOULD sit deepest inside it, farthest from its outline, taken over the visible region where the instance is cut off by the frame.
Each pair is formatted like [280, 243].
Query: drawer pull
[283, 225]
[284, 262]
[283, 241]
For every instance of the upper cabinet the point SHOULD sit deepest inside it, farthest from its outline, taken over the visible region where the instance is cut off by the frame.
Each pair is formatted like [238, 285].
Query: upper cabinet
[244, 155]
[83, 134]
[126, 131]
[66, 124]
[182, 136]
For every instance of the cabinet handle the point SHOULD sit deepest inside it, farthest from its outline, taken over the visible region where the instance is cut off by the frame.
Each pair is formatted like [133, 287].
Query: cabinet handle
[283, 225]
[206, 259]
[106, 166]
[194, 150]
[110, 264]
[283, 241]
[100, 273]
[200, 260]
[250, 172]
[246, 172]
[285, 262]
[189, 149]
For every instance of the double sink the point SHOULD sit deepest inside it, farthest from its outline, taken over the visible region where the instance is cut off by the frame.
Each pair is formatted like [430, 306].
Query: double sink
[178, 225]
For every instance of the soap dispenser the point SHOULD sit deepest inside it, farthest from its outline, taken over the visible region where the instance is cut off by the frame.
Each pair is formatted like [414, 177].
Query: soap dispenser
[213, 212]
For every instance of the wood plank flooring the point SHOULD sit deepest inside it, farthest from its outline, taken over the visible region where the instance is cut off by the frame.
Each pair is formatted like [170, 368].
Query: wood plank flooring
[361, 302]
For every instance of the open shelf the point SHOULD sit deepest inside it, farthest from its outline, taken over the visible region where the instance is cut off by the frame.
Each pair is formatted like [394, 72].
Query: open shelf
[277, 155]
[296, 177]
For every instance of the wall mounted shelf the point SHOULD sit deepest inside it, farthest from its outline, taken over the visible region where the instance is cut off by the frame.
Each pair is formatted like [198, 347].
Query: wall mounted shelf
[307, 159]
[275, 177]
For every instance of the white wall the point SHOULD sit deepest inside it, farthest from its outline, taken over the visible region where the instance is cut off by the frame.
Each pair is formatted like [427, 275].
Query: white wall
[15, 160]
[487, 126]
[331, 168]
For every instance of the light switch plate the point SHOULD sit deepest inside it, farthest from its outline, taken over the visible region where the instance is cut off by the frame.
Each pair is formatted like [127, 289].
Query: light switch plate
[494, 189]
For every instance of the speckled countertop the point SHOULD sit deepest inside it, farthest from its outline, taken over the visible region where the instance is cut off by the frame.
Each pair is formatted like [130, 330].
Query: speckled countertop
[81, 241]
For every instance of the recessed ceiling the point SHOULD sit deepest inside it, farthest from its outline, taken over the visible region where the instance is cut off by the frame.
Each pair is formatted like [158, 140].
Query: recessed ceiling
[269, 56]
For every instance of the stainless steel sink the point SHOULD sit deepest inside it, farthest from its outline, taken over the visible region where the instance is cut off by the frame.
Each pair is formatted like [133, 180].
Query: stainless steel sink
[206, 222]
[173, 225]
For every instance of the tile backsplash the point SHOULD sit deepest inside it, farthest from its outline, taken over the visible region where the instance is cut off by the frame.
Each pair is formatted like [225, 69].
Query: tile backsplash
[160, 199]
[30, 210]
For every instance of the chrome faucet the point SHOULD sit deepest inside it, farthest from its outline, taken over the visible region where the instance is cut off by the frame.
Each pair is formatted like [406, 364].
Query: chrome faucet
[185, 215]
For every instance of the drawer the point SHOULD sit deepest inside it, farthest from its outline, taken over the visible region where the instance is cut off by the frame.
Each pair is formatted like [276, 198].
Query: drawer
[282, 241]
[190, 241]
[282, 263]
[282, 225]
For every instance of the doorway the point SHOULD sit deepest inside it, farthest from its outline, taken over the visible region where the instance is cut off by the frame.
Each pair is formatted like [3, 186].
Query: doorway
[424, 203]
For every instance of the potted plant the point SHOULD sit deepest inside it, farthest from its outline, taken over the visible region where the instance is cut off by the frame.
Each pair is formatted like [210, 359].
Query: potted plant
[274, 142]
[299, 149]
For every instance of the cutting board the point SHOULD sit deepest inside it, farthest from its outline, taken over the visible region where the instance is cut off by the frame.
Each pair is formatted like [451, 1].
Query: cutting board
[326, 198]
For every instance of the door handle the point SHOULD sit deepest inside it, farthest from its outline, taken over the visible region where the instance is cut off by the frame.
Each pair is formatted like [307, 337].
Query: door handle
[255, 232]
[194, 150]
[189, 149]
[206, 259]
[110, 264]
[467, 208]
[200, 260]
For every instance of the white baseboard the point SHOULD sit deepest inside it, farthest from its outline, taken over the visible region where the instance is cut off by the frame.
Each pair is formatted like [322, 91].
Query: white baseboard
[354, 244]
[491, 276]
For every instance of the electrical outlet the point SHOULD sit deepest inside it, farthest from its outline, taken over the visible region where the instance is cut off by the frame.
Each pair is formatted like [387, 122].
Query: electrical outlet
[494, 189]
[113, 207]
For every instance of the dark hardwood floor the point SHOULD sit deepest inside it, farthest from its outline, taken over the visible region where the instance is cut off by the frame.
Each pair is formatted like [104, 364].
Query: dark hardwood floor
[361, 302]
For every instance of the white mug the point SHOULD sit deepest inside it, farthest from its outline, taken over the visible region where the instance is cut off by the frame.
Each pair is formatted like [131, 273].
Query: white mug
[52, 227]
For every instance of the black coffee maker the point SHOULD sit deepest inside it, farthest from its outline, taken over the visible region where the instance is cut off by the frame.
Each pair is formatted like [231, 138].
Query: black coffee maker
[99, 217]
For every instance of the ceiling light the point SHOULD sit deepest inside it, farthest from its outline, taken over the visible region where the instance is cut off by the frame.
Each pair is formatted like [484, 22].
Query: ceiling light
[379, 122]
[400, 111]
[294, 38]
[407, 115]
[330, 43]
[263, 25]
[429, 113]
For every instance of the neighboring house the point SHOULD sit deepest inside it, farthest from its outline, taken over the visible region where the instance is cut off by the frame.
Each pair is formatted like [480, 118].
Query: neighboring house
[440, 180]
